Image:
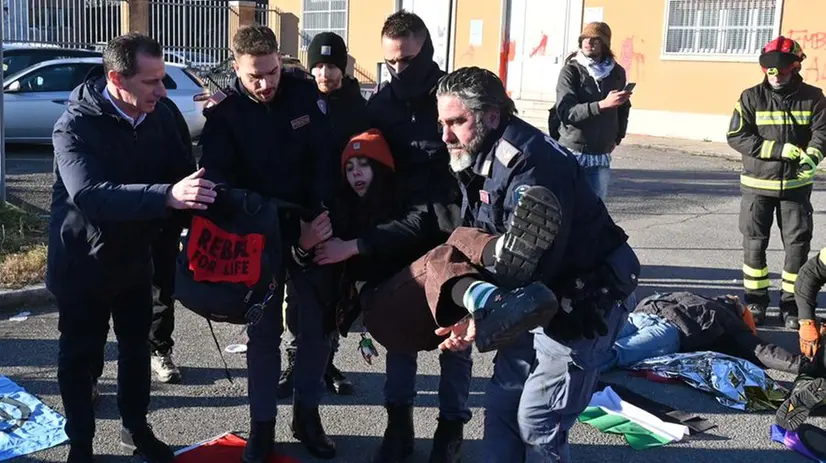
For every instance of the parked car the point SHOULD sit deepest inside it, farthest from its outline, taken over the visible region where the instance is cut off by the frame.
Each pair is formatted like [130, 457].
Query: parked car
[17, 57]
[36, 96]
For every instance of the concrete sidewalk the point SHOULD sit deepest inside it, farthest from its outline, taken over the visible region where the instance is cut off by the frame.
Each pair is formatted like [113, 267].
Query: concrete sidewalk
[696, 147]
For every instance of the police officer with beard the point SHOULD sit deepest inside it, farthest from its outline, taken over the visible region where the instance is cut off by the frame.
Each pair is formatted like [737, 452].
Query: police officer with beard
[405, 112]
[267, 134]
[510, 174]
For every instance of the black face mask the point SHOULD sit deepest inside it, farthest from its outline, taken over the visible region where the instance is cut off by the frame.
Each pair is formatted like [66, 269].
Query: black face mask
[418, 77]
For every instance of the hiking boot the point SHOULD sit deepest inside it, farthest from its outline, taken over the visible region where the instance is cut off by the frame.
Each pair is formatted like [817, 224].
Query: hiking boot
[259, 444]
[285, 382]
[507, 315]
[532, 230]
[308, 429]
[143, 442]
[447, 442]
[807, 393]
[758, 313]
[164, 368]
[336, 382]
[397, 443]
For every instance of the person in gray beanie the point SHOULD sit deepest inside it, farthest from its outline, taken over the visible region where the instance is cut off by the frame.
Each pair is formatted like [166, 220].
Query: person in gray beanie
[340, 98]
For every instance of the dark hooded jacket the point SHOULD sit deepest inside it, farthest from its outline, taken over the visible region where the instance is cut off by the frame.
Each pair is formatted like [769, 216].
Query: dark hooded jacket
[109, 194]
[405, 111]
[347, 110]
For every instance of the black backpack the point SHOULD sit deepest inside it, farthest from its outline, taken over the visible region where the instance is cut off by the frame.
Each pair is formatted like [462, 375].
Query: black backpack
[231, 259]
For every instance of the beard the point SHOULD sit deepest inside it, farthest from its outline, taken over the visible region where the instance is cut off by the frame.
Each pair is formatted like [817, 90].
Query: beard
[465, 158]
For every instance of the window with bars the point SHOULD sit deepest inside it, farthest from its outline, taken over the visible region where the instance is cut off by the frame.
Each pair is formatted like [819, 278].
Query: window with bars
[323, 16]
[720, 28]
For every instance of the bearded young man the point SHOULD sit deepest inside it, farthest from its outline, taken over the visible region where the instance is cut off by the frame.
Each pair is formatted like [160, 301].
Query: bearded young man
[592, 105]
[267, 134]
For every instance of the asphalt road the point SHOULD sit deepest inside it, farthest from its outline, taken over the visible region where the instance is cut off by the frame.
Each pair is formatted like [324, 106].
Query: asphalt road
[681, 214]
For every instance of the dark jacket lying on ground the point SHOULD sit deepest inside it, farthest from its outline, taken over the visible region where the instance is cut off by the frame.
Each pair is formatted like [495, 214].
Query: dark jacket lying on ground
[109, 194]
[717, 325]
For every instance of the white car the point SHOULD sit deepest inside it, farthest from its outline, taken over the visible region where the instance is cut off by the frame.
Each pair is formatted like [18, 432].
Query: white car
[36, 97]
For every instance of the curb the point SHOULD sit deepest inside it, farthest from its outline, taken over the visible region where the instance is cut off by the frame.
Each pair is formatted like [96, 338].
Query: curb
[30, 296]
[710, 151]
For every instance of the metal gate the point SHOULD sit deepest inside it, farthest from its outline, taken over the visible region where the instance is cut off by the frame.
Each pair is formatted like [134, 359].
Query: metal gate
[68, 23]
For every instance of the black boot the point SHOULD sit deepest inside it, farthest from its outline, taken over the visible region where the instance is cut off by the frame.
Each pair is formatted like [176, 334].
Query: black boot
[506, 315]
[259, 444]
[532, 230]
[143, 442]
[285, 382]
[788, 314]
[308, 429]
[397, 443]
[447, 442]
[807, 394]
[336, 382]
[758, 313]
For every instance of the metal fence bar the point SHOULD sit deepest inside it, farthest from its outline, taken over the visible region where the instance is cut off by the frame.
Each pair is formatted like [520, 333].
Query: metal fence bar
[68, 23]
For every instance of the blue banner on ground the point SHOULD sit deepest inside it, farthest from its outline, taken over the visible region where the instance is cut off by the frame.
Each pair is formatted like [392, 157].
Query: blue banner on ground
[27, 425]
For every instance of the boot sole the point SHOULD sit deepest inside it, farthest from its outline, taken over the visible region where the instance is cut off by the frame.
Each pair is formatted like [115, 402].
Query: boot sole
[796, 409]
[502, 338]
[533, 229]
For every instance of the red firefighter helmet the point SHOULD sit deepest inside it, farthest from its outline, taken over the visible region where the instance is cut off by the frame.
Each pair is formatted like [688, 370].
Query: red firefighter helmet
[781, 56]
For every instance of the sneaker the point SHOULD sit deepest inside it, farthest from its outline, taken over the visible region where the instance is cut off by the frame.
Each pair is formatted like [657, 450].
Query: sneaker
[143, 442]
[758, 313]
[532, 230]
[336, 382]
[806, 395]
[506, 315]
[164, 368]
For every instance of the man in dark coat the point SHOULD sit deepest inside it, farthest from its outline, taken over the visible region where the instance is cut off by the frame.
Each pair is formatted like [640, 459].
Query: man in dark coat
[118, 167]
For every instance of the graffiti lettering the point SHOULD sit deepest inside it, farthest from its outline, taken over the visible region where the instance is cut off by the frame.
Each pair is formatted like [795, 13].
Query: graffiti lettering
[809, 41]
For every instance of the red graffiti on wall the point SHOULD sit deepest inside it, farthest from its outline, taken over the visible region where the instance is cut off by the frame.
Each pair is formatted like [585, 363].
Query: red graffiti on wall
[630, 59]
[814, 45]
[541, 48]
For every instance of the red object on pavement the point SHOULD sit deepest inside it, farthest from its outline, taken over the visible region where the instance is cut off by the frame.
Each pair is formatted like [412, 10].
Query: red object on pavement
[227, 448]
[651, 376]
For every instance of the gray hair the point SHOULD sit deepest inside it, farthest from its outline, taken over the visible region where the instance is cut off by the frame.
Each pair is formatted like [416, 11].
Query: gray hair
[479, 89]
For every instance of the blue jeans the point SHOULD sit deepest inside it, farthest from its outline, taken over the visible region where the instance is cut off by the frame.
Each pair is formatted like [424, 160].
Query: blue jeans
[598, 177]
[643, 336]
[454, 382]
[538, 389]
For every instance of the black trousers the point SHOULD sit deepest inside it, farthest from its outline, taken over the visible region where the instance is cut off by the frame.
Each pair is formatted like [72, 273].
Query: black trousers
[84, 327]
[164, 255]
[794, 218]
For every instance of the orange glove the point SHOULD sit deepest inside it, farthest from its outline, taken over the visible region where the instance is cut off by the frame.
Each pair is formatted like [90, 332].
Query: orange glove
[809, 338]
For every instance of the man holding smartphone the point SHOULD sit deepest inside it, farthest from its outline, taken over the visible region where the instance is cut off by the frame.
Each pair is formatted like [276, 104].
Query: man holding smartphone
[592, 104]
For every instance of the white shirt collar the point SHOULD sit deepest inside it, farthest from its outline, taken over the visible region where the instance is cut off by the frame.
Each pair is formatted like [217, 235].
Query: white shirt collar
[132, 121]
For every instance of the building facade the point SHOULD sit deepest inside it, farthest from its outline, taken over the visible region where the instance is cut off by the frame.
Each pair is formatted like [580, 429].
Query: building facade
[689, 58]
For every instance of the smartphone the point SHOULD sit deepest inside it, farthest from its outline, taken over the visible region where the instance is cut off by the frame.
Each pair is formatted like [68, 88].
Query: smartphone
[629, 87]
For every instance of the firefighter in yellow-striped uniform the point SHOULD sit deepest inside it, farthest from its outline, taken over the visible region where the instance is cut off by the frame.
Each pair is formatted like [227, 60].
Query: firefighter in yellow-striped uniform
[779, 126]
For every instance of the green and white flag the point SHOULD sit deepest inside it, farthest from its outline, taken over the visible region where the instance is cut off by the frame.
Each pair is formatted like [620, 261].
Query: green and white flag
[610, 414]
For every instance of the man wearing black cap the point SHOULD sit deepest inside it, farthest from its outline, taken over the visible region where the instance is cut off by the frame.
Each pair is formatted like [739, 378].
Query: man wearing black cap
[341, 100]
[779, 126]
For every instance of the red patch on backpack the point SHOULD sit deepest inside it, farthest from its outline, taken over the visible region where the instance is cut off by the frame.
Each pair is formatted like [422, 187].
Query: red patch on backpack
[219, 256]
